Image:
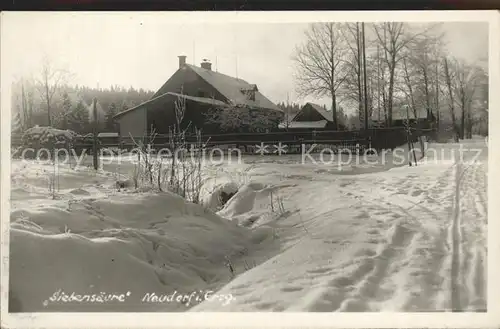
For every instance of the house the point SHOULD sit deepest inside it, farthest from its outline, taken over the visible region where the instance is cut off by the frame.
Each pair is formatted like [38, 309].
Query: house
[402, 115]
[197, 90]
[311, 117]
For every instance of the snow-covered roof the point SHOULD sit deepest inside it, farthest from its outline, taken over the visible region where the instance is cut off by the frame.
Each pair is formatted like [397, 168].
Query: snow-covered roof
[304, 124]
[204, 100]
[231, 88]
[108, 134]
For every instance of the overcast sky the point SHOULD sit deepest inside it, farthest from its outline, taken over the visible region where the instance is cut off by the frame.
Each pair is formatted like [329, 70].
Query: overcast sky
[141, 50]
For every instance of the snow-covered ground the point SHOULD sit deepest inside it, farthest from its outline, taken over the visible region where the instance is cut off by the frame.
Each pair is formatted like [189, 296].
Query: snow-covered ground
[295, 237]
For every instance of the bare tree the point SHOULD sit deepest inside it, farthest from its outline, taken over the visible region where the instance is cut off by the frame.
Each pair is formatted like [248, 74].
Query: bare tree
[288, 115]
[467, 81]
[320, 63]
[423, 57]
[23, 98]
[365, 90]
[381, 90]
[393, 38]
[49, 82]
[353, 82]
[479, 120]
[437, 82]
[410, 94]
[448, 75]
[462, 90]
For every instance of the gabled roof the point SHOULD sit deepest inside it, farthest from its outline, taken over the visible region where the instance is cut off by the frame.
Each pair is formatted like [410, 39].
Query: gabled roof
[233, 88]
[325, 114]
[304, 124]
[209, 101]
[328, 115]
[205, 100]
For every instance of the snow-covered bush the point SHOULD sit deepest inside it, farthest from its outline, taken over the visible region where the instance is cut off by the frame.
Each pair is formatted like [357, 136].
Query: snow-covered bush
[48, 138]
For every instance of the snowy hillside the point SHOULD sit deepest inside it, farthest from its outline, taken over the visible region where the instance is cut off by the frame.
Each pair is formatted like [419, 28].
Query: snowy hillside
[294, 237]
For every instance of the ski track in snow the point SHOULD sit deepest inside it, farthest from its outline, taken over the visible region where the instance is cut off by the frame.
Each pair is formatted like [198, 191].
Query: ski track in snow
[468, 272]
[456, 239]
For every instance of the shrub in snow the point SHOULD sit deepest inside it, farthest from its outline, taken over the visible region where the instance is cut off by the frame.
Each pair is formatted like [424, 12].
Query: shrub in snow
[276, 203]
[38, 138]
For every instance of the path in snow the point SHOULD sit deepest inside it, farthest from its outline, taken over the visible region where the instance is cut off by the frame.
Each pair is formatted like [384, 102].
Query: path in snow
[410, 239]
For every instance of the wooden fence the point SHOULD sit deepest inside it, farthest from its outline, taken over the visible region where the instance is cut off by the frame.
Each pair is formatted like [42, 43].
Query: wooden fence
[377, 138]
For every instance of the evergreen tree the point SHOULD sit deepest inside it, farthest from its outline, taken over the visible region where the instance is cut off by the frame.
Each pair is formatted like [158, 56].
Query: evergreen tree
[79, 118]
[343, 118]
[66, 111]
[106, 96]
[124, 107]
[110, 122]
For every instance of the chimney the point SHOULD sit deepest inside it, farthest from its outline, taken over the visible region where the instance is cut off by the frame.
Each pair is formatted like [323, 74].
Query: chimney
[182, 60]
[206, 65]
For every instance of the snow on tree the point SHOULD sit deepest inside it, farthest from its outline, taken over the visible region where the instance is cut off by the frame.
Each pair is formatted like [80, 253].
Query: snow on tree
[79, 120]
[112, 111]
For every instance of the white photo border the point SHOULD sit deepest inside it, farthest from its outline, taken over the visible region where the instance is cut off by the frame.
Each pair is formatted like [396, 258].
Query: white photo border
[491, 318]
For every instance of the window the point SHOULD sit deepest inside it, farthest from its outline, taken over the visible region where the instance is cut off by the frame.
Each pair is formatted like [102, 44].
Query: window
[251, 95]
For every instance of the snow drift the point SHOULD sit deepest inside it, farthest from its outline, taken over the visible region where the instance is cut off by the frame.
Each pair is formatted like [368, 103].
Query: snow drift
[84, 242]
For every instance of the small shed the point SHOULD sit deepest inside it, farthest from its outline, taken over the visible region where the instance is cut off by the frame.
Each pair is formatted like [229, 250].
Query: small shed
[109, 137]
[311, 117]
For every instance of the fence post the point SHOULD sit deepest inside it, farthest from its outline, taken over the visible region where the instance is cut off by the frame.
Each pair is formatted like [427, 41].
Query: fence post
[95, 141]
